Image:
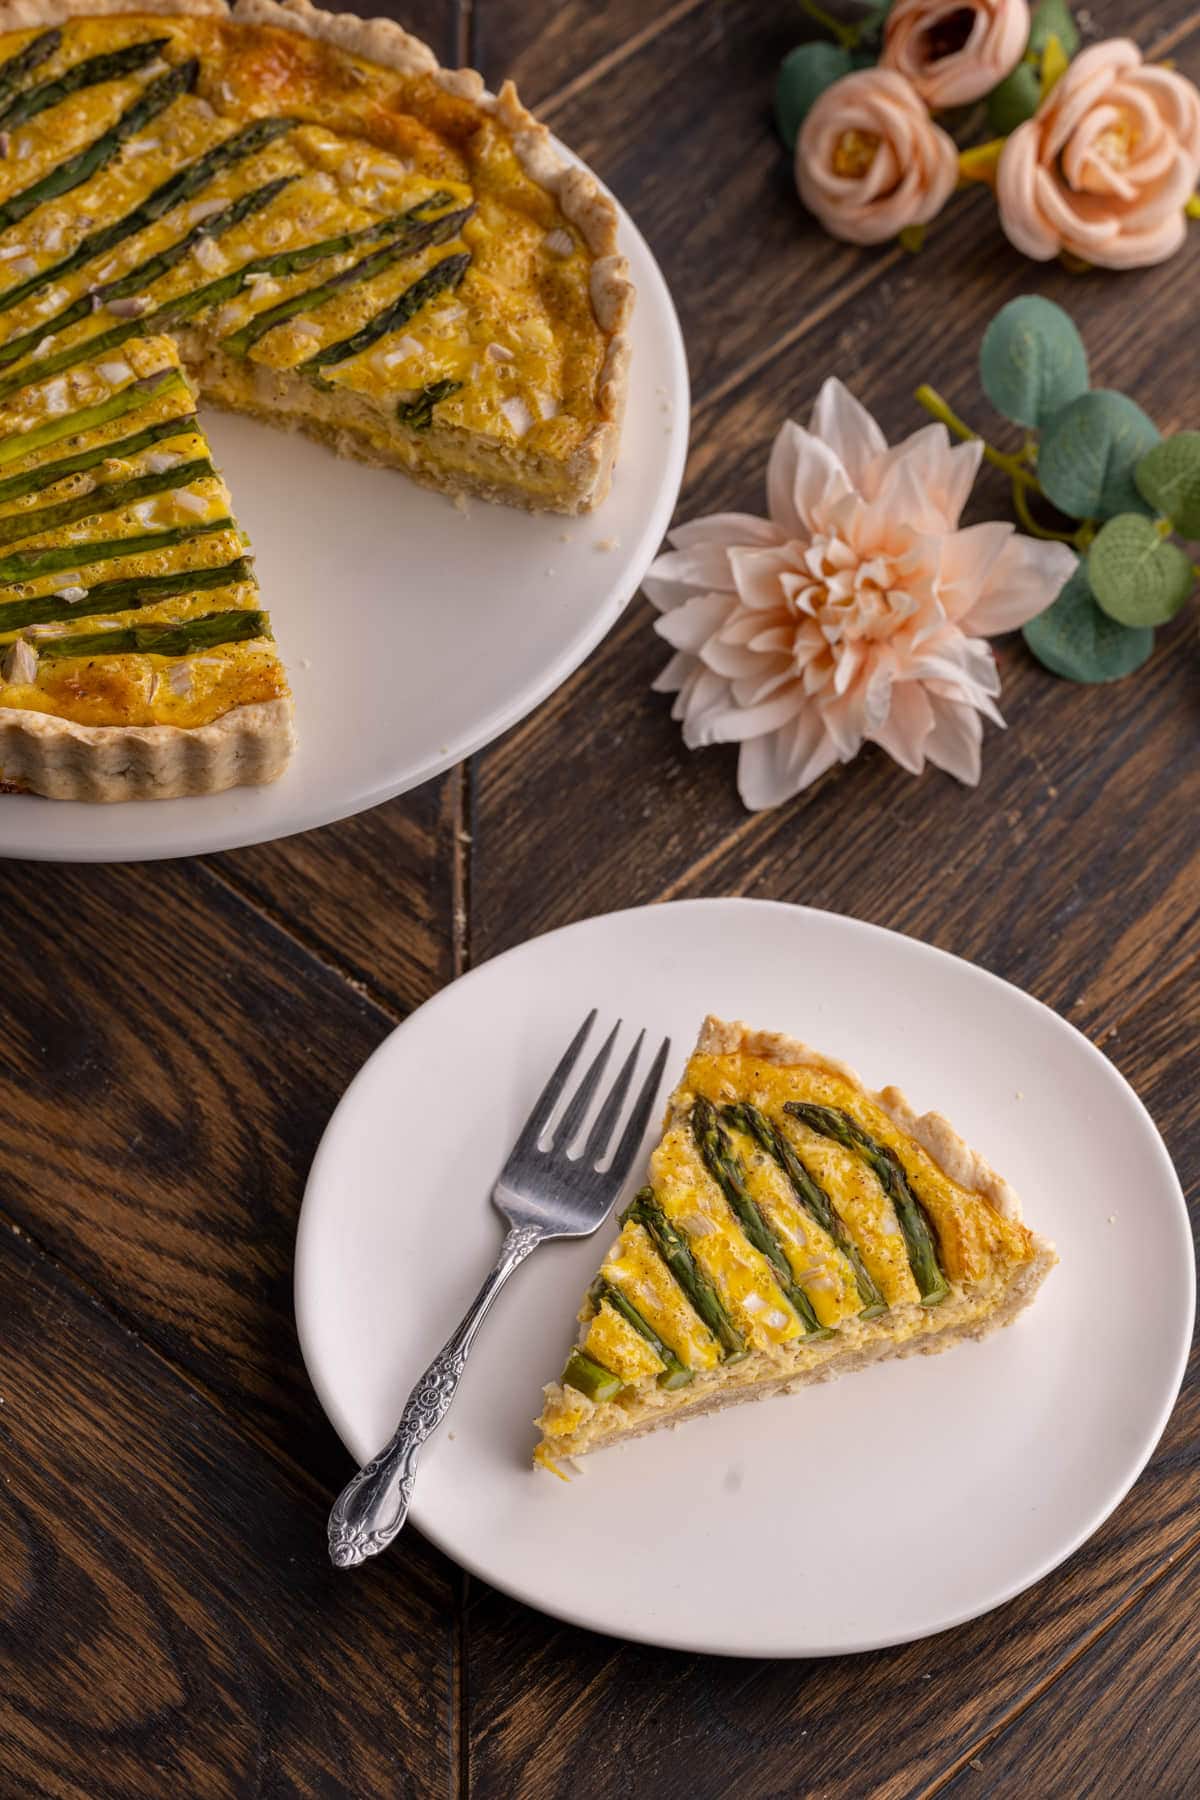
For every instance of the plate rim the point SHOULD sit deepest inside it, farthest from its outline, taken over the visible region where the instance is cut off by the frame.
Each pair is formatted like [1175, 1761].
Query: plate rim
[683, 1642]
[503, 717]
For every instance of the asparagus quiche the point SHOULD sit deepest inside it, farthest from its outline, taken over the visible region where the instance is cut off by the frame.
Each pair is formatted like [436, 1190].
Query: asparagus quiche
[794, 1227]
[314, 223]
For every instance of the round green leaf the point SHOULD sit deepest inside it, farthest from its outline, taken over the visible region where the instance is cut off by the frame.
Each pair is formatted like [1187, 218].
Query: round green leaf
[804, 74]
[1089, 451]
[1169, 478]
[1138, 577]
[1074, 639]
[1015, 100]
[1053, 19]
[1032, 360]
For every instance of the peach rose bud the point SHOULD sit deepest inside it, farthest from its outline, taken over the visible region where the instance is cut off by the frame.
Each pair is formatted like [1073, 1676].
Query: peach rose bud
[953, 53]
[1107, 164]
[869, 159]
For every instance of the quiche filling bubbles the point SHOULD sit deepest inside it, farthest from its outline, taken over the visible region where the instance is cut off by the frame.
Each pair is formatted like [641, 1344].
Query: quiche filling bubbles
[790, 1227]
[187, 203]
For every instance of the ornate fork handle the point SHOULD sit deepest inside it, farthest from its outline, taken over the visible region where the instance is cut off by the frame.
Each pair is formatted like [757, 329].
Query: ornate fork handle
[372, 1507]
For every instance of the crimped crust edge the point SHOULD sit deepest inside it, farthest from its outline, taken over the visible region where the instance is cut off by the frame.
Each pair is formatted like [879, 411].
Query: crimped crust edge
[61, 760]
[936, 1136]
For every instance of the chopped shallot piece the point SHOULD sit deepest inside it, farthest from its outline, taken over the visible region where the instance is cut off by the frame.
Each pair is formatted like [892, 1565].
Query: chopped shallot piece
[20, 663]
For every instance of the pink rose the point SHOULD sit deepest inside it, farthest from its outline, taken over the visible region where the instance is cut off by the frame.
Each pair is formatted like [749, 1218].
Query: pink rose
[1105, 167]
[953, 52]
[870, 160]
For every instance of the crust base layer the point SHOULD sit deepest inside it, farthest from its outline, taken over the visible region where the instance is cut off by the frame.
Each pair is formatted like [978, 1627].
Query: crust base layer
[42, 754]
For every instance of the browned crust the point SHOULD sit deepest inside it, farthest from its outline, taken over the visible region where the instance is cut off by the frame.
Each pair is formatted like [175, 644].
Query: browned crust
[580, 199]
[936, 1136]
[721, 1037]
[1020, 1292]
[57, 758]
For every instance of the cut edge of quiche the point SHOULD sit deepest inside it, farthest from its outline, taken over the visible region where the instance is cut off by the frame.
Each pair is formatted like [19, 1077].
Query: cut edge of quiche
[356, 402]
[795, 1226]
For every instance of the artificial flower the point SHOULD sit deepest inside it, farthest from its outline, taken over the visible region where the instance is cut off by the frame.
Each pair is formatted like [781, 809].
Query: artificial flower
[869, 159]
[952, 51]
[855, 612]
[1107, 164]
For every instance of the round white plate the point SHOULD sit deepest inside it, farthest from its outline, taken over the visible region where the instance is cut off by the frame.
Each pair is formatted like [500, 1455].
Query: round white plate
[413, 632]
[865, 1512]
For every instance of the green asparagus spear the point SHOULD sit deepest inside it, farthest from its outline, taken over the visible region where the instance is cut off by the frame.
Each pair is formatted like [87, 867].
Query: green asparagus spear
[103, 499]
[146, 272]
[89, 73]
[411, 233]
[85, 350]
[205, 633]
[137, 394]
[812, 1197]
[915, 1226]
[129, 595]
[172, 312]
[47, 474]
[673, 1247]
[177, 188]
[15, 68]
[440, 279]
[27, 565]
[675, 1373]
[153, 99]
[418, 414]
[716, 1153]
[591, 1378]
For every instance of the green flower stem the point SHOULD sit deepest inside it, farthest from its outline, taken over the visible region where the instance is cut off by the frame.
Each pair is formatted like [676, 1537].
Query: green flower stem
[1020, 495]
[1012, 465]
[850, 36]
[1015, 466]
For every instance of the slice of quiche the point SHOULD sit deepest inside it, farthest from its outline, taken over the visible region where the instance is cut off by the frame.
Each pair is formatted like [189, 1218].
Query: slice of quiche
[795, 1227]
[337, 236]
[127, 594]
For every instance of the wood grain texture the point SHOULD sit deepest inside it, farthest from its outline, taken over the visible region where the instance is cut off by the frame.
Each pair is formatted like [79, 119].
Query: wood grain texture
[165, 1626]
[1130, 1701]
[167, 1623]
[171, 1101]
[377, 897]
[548, 1702]
[1081, 772]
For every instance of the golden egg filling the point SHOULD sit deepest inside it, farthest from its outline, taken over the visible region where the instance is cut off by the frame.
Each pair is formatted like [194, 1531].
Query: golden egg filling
[794, 1227]
[295, 215]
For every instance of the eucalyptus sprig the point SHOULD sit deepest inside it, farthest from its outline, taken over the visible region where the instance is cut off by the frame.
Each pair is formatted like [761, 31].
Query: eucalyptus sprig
[1121, 490]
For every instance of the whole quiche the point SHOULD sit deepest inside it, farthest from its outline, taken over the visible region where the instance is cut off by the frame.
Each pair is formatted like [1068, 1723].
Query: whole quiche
[300, 216]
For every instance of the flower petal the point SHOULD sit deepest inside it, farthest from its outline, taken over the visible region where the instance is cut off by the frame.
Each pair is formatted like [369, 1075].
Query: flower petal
[726, 529]
[774, 767]
[955, 742]
[847, 427]
[907, 726]
[805, 478]
[690, 626]
[1022, 581]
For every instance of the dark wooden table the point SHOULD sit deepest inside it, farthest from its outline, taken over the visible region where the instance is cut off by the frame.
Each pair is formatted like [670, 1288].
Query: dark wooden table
[174, 1037]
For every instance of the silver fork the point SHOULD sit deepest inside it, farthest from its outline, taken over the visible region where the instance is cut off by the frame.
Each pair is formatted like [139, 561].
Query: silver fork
[542, 1193]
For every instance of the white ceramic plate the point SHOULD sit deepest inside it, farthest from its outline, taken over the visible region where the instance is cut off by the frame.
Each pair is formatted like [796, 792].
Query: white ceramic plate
[849, 1516]
[413, 632]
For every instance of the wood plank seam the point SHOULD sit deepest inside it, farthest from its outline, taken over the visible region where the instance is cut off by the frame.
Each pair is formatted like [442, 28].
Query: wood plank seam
[613, 59]
[358, 983]
[464, 33]
[1134, 1598]
[461, 866]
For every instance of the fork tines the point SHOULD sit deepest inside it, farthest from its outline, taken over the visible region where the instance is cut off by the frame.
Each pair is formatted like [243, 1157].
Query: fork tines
[608, 1116]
